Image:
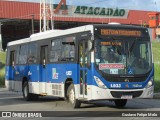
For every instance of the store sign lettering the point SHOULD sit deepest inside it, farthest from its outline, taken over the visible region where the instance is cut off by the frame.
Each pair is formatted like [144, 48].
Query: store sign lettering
[99, 11]
[85, 11]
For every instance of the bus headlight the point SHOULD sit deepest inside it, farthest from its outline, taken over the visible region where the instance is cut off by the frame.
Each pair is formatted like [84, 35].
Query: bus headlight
[99, 83]
[150, 83]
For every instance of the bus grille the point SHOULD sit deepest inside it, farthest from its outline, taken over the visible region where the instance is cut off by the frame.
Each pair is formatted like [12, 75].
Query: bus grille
[57, 90]
[118, 94]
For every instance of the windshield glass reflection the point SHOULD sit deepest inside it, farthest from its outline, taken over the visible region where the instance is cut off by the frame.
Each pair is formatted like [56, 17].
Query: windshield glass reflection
[127, 57]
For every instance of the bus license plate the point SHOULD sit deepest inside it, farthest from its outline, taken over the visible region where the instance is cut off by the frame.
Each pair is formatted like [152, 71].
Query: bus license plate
[126, 97]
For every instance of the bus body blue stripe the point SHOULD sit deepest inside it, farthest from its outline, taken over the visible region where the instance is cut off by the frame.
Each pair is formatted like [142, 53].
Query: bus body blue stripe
[58, 73]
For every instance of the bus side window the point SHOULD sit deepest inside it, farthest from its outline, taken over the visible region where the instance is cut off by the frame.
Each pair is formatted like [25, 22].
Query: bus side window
[55, 52]
[68, 49]
[32, 53]
[23, 54]
[44, 55]
[12, 58]
[17, 55]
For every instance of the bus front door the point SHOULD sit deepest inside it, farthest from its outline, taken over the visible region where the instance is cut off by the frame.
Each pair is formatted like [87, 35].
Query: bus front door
[43, 69]
[83, 68]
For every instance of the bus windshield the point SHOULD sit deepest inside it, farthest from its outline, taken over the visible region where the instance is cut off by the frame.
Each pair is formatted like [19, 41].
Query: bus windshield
[123, 56]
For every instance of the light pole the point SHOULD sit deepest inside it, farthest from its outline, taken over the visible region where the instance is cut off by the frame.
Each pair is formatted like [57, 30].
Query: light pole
[46, 14]
[0, 37]
[32, 24]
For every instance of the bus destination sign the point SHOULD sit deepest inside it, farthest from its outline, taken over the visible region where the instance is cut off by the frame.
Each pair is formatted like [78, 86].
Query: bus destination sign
[119, 32]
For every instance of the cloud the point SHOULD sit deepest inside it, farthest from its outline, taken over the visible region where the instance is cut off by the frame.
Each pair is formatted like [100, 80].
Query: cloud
[148, 5]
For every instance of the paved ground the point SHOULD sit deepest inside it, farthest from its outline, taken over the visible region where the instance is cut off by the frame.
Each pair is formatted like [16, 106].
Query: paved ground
[12, 101]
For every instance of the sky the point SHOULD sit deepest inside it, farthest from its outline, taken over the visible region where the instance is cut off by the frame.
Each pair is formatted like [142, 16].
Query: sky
[146, 5]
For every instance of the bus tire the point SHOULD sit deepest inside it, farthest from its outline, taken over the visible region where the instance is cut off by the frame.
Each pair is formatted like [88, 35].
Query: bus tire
[75, 103]
[120, 103]
[26, 95]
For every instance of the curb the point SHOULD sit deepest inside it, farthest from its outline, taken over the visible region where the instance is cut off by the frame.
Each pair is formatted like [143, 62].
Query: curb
[156, 96]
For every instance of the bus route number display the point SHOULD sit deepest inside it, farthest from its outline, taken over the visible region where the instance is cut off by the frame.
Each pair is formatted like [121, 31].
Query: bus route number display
[135, 33]
[111, 43]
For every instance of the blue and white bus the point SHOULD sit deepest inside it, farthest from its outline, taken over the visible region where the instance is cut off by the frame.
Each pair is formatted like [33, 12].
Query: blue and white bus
[82, 64]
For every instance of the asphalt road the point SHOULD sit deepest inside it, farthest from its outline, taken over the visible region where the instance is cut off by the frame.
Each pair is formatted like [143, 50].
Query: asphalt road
[12, 101]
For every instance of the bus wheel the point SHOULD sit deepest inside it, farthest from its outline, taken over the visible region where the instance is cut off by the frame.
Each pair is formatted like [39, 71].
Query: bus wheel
[26, 95]
[120, 103]
[71, 97]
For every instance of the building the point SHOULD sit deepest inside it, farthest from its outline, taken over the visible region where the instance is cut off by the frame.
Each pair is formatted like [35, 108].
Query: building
[20, 19]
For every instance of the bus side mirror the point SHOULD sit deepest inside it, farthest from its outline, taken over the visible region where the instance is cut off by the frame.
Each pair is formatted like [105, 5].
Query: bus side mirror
[88, 52]
[90, 45]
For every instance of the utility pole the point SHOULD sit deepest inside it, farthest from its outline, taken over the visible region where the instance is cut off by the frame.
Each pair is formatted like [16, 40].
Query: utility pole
[32, 24]
[1, 37]
[46, 15]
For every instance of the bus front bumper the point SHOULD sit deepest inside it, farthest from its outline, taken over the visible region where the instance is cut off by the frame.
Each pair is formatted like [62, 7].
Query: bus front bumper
[100, 93]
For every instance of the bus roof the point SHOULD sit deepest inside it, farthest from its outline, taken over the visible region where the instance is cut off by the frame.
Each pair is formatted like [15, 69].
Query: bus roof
[51, 34]
[56, 33]
[25, 40]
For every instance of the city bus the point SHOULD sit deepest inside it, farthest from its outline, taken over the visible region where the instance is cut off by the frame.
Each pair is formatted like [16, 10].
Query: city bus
[83, 64]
